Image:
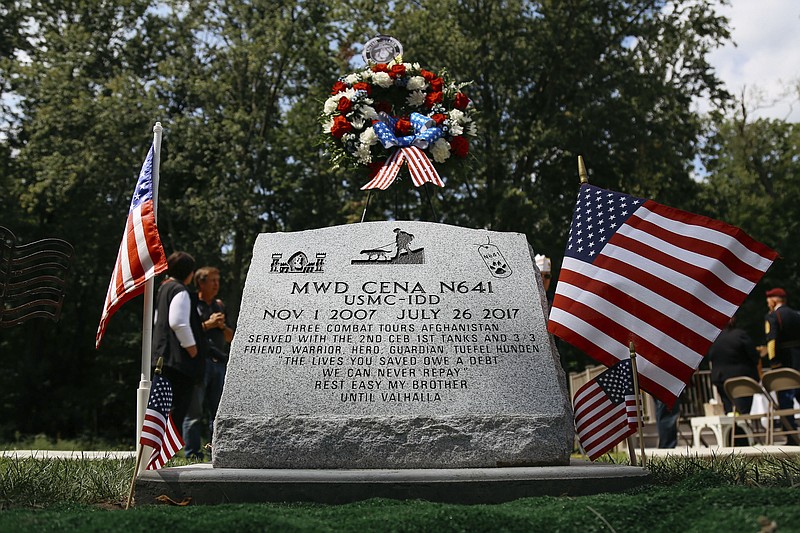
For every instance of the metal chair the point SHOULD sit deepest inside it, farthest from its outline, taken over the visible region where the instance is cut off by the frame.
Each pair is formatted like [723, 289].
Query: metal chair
[743, 387]
[778, 380]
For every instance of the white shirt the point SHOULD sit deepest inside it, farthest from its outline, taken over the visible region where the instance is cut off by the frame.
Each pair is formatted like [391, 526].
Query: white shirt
[179, 318]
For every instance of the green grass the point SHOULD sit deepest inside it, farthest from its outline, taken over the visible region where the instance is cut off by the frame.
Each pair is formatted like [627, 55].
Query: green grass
[724, 509]
[724, 493]
[43, 442]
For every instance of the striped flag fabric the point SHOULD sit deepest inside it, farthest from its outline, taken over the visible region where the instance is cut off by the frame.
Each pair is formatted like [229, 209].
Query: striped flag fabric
[605, 410]
[140, 256]
[665, 279]
[420, 167]
[159, 431]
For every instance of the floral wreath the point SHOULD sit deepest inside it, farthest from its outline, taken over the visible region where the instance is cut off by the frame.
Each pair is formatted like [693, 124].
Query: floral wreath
[396, 112]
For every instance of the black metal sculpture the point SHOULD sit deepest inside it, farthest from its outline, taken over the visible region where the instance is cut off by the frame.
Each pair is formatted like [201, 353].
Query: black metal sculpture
[32, 278]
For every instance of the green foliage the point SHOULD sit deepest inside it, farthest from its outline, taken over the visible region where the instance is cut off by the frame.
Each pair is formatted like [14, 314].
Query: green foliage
[240, 68]
[83, 94]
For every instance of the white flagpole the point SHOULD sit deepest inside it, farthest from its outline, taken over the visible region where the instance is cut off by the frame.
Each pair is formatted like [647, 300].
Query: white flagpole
[143, 393]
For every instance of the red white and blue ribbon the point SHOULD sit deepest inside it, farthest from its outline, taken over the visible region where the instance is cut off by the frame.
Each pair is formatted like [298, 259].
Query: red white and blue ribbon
[409, 150]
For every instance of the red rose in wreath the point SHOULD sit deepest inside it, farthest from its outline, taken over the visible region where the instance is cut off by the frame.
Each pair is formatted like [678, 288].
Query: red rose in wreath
[431, 99]
[397, 71]
[427, 74]
[340, 126]
[459, 146]
[403, 127]
[374, 168]
[363, 87]
[338, 87]
[345, 105]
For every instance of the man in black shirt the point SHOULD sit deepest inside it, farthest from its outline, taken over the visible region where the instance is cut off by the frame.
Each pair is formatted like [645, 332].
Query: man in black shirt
[219, 334]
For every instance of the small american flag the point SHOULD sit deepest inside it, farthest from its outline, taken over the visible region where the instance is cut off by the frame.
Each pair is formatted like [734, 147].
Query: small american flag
[140, 256]
[668, 280]
[159, 431]
[605, 410]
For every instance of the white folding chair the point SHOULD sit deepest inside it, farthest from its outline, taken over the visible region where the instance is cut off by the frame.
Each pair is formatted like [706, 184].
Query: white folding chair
[743, 387]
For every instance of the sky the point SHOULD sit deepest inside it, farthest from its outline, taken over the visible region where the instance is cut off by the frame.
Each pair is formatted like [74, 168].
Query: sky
[764, 59]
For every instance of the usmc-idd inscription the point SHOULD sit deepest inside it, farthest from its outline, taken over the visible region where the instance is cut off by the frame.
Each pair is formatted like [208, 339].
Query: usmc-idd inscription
[392, 345]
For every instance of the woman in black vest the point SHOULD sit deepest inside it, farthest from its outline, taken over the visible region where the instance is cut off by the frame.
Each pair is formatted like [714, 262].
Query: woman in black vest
[178, 335]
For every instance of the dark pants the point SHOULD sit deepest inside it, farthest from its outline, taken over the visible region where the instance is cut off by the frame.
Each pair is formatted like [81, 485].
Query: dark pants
[667, 424]
[192, 424]
[182, 387]
[205, 399]
[215, 382]
[786, 401]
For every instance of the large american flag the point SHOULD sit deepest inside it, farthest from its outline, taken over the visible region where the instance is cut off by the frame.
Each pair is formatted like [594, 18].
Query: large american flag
[159, 431]
[668, 280]
[140, 255]
[605, 410]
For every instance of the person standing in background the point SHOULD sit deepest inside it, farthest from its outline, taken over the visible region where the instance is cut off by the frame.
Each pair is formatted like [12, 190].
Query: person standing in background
[206, 395]
[545, 267]
[782, 328]
[177, 334]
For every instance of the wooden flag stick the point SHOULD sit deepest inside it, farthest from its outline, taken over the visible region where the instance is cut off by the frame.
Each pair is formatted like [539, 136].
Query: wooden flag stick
[631, 450]
[133, 479]
[638, 402]
[140, 448]
[584, 177]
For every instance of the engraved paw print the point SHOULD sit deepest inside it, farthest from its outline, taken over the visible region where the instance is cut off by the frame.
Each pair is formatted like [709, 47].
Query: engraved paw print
[499, 267]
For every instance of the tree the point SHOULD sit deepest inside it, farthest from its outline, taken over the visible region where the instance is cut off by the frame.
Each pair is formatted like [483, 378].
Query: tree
[82, 96]
[233, 173]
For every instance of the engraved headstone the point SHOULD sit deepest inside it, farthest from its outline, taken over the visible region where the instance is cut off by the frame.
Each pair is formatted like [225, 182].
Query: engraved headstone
[393, 345]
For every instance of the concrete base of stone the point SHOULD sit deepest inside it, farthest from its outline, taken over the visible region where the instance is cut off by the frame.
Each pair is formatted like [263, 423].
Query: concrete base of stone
[205, 484]
[381, 442]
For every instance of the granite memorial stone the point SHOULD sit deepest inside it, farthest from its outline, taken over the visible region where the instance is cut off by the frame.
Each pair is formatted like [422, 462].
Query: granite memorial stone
[393, 345]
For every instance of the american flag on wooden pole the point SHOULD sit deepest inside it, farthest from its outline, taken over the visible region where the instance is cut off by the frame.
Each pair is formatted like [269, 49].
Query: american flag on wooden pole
[141, 256]
[668, 280]
[605, 410]
[159, 431]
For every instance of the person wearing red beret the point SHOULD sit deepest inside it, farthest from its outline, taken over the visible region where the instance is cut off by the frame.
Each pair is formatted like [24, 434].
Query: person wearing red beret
[782, 326]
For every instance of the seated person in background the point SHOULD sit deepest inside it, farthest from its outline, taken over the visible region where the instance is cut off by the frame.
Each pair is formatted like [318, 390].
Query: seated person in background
[733, 354]
[667, 423]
